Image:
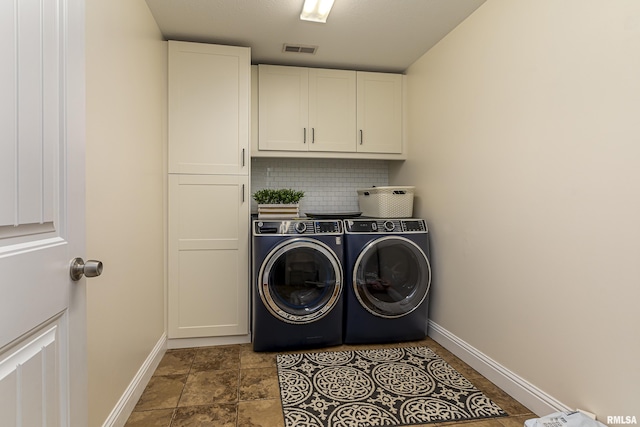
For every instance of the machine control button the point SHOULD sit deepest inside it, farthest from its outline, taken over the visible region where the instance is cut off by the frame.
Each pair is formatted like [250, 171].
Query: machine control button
[301, 227]
[389, 225]
[413, 226]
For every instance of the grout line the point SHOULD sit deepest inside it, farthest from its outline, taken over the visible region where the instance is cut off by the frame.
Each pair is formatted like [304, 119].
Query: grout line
[175, 410]
[238, 397]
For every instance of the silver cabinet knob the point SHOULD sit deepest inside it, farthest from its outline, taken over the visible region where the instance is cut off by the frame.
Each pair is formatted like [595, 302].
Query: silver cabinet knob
[79, 268]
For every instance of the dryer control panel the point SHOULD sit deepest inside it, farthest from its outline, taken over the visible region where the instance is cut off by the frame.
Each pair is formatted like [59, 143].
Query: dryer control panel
[384, 226]
[296, 227]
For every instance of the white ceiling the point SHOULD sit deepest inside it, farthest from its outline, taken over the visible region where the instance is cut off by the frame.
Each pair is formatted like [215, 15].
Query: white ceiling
[369, 35]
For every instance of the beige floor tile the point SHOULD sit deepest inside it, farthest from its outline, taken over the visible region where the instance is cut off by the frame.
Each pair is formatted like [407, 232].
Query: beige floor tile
[517, 421]
[217, 358]
[467, 371]
[161, 393]
[260, 413]
[206, 416]
[502, 399]
[251, 359]
[449, 424]
[490, 422]
[246, 347]
[176, 362]
[261, 383]
[157, 418]
[441, 351]
[209, 387]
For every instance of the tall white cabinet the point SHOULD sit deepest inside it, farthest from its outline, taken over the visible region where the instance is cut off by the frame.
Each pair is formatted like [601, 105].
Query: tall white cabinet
[208, 213]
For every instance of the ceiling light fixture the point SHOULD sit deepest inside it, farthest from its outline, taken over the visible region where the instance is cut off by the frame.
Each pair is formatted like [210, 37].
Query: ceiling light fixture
[316, 10]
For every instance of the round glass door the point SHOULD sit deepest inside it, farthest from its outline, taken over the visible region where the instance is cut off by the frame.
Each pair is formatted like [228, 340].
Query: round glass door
[391, 277]
[300, 280]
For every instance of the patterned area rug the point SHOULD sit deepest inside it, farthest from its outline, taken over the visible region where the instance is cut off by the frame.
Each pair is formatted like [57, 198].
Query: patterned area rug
[382, 387]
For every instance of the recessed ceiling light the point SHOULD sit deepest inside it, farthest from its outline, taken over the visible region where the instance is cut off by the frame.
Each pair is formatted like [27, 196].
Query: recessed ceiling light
[316, 10]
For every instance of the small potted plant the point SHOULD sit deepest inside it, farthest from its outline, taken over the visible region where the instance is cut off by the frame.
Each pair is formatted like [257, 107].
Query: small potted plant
[278, 203]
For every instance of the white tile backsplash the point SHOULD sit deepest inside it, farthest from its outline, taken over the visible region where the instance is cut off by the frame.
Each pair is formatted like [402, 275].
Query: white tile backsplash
[329, 184]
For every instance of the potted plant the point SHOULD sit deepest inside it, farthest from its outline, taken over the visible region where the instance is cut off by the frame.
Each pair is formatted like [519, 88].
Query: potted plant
[278, 203]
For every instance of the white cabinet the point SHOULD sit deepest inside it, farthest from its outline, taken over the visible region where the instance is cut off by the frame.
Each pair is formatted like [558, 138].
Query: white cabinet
[208, 255]
[329, 111]
[209, 95]
[306, 109]
[283, 110]
[379, 113]
[208, 200]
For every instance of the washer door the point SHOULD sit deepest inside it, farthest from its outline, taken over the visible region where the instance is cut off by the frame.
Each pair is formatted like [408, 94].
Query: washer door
[300, 280]
[391, 277]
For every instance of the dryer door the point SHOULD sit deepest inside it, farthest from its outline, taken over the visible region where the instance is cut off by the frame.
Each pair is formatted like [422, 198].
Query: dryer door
[391, 277]
[300, 280]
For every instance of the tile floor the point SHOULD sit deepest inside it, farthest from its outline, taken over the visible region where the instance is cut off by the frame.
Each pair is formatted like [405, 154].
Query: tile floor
[232, 386]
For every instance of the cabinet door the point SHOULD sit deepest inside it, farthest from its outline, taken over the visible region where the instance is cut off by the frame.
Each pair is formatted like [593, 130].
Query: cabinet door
[379, 112]
[209, 94]
[208, 271]
[332, 110]
[283, 108]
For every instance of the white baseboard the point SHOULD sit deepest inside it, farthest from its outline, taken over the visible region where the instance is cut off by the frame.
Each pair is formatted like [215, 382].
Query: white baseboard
[207, 341]
[121, 412]
[523, 391]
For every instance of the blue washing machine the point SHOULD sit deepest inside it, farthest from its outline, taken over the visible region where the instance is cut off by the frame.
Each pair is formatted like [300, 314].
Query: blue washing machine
[297, 284]
[388, 276]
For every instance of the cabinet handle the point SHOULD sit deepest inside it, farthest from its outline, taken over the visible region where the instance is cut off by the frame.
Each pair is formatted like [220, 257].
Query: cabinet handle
[360, 136]
[313, 135]
[242, 193]
[304, 138]
[243, 158]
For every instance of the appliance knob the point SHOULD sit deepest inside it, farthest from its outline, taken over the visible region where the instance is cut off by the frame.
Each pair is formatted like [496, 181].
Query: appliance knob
[301, 227]
[389, 225]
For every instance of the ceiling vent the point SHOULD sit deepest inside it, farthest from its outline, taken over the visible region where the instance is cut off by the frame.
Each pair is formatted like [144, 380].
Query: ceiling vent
[299, 48]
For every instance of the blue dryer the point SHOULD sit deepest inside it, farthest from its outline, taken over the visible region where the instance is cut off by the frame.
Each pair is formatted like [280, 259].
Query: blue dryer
[388, 276]
[297, 284]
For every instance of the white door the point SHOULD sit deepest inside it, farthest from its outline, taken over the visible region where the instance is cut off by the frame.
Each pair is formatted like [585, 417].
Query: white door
[42, 326]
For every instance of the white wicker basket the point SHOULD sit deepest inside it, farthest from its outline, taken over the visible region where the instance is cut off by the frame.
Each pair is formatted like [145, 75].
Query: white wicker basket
[386, 202]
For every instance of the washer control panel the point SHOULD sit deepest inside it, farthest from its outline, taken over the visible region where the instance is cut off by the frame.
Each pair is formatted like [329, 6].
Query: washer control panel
[389, 226]
[417, 225]
[296, 227]
[385, 226]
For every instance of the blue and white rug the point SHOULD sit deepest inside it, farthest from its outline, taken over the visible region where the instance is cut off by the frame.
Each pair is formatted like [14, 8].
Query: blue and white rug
[381, 387]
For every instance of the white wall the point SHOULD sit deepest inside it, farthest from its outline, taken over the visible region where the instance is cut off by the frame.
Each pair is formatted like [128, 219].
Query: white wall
[126, 104]
[524, 136]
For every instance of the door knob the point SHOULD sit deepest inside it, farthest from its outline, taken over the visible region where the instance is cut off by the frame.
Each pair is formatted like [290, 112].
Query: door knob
[79, 268]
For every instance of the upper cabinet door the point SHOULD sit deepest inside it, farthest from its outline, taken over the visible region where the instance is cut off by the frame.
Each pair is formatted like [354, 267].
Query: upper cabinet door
[379, 113]
[283, 116]
[209, 98]
[332, 110]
